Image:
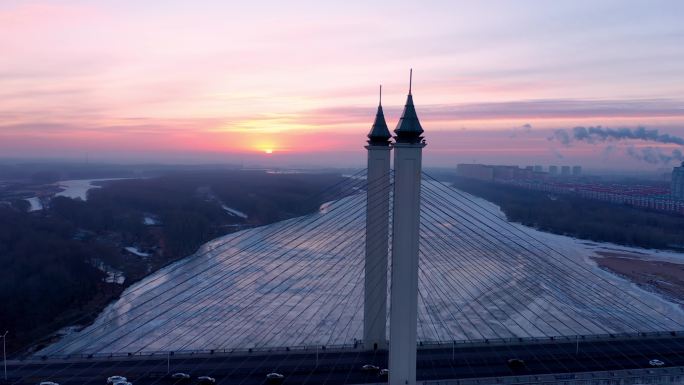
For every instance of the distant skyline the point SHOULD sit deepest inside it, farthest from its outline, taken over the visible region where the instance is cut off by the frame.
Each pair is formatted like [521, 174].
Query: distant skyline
[295, 83]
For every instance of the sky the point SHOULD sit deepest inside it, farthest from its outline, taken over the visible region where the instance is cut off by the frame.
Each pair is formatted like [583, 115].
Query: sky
[296, 83]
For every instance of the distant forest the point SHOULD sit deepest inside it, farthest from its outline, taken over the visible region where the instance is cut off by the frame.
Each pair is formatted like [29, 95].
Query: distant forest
[48, 279]
[582, 218]
[45, 272]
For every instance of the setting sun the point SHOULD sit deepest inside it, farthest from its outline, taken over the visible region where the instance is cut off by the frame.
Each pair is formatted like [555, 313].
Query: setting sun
[268, 151]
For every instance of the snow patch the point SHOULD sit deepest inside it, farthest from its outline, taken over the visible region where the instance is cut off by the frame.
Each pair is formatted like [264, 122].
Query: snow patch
[234, 212]
[151, 221]
[78, 188]
[113, 275]
[136, 251]
[35, 203]
[325, 207]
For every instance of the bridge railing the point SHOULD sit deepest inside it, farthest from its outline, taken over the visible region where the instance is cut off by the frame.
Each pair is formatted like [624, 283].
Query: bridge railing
[672, 375]
[553, 339]
[226, 351]
[358, 345]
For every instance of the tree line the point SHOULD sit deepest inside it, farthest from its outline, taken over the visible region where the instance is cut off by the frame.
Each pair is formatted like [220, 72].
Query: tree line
[582, 218]
[48, 277]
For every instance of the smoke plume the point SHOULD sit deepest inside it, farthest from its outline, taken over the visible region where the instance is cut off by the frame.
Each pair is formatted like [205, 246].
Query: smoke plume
[613, 136]
[599, 134]
[654, 155]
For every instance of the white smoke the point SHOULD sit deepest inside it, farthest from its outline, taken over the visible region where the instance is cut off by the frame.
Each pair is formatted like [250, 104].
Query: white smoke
[598, 134]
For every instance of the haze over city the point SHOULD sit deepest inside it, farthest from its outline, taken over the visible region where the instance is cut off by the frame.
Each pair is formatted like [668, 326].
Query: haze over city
[279, 83]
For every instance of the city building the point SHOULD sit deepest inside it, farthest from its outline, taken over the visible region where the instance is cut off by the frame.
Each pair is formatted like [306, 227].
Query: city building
[678, 182]
[491, 173]
[648, 196]
[505, 172]
[475, 171]
[538, 168]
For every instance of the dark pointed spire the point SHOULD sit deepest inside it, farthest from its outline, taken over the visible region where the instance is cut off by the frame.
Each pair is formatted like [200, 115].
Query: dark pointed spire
[410, 79]
[379, 133]
[409, 129]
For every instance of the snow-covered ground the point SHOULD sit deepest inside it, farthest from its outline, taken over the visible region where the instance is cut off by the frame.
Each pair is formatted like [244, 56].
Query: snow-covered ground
[636, 252]
[325, 207]
[78, 188]
[234, 212]
[300, 282]
[134, 250]
[35, 203]
[113, 275]
[151, 221]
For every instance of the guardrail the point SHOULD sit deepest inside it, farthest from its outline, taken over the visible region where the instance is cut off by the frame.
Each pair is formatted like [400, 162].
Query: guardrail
[358, 345]
[226, 351]
[553, 339]
[671, 375]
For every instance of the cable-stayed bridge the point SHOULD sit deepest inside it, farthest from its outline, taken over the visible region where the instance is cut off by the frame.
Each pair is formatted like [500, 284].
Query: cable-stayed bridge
[300, 282]
[288, 297]
[401, 272]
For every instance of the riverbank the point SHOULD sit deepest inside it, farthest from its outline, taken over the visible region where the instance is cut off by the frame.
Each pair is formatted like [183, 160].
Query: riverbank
[663, 277]
[96, 238]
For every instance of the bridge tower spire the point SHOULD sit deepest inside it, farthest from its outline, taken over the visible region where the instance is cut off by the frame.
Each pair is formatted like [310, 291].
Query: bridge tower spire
[408, 148]
[377, 233]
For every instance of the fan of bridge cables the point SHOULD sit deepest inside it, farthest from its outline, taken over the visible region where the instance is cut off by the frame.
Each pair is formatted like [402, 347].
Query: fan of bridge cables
[298, 284]
[482, 277]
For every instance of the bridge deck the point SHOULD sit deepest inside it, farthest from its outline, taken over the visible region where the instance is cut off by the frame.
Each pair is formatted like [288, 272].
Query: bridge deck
[343, 367]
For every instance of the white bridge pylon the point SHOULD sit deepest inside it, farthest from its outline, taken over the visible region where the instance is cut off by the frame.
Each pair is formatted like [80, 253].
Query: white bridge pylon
[408, 146]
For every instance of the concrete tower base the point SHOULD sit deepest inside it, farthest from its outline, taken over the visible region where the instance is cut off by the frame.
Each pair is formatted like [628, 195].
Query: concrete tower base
[377, 246]
[405, 240]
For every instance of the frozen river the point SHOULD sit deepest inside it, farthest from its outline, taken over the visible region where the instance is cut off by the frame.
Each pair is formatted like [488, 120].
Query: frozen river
[78, 188]
[300, 282]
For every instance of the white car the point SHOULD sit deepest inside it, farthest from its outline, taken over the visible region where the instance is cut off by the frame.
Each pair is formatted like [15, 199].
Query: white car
[206, 380]
[369, 368]
[274, 377]
[113, 379]
[655, 362]
[383, 373]
[48, 383]
[122, 383]
[180, 376]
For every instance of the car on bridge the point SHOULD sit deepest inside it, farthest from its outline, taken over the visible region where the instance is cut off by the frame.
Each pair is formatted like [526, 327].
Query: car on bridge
[656, 362]
[206, 380]
[369, 368]
[48, 383]
[180, 378]
[114, 379]
[516, 364]
[274, 378]
[383, 374]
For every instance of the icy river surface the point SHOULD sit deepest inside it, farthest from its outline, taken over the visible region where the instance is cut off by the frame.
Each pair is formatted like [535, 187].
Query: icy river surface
[300, 282]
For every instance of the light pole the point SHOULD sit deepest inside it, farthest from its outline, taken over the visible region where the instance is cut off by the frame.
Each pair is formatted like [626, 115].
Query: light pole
[4, 353]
